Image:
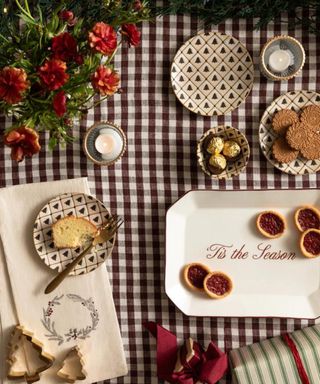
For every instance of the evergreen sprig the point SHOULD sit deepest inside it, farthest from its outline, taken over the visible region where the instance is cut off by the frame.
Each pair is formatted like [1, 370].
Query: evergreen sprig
[217, 11]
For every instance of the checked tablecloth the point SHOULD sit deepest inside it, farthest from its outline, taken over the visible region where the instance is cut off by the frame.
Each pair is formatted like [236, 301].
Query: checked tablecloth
[159, 166]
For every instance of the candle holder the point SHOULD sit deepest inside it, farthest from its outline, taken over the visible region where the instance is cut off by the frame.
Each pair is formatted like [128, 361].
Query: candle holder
[292, 49]
[90, 143]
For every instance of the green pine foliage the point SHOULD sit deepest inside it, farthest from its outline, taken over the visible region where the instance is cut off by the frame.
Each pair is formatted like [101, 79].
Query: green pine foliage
[216, 11]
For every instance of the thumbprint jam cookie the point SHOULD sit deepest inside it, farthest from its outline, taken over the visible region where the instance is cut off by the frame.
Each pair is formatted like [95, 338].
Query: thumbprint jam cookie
[310, 243]
[217, 285]
[271, 224]
[194, 275]
[307, 217]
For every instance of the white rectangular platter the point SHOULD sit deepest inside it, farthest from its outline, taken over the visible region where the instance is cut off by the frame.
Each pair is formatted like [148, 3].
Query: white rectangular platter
[271, 277]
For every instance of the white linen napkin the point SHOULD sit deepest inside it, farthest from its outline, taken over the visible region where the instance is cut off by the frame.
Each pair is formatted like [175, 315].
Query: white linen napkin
[79, 303]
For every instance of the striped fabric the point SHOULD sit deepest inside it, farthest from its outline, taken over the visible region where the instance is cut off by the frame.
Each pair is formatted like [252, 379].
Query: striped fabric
[271, 361]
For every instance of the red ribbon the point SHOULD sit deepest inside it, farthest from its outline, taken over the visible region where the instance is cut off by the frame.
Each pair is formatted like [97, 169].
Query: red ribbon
[295, 353]
[188, 364]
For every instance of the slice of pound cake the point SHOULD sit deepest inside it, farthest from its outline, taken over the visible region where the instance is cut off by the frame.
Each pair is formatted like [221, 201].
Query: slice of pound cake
[72, 232]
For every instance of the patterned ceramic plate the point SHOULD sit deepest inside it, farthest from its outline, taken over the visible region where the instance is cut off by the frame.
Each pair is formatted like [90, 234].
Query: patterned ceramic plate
[227, 133]
[79, 205]
[295, 101]
[212, 73]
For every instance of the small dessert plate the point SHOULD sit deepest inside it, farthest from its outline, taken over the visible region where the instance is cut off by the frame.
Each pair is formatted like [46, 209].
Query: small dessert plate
[295, 100]
[78, 205]
[212, 73]
[227, 133]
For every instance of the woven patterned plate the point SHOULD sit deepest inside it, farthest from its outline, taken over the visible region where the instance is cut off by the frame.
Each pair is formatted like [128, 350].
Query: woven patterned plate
[227, 133]
[212, 74]
[295, 101]
[79, 205]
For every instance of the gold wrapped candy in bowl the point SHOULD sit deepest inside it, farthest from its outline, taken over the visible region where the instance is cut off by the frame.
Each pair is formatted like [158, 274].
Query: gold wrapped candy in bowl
[223, 152]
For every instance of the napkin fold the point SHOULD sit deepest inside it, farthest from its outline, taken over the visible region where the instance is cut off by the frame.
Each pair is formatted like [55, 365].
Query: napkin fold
[189, 364]
[79, 312]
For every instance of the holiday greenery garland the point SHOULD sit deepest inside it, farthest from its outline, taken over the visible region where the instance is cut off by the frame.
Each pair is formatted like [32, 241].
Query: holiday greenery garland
[217, 11]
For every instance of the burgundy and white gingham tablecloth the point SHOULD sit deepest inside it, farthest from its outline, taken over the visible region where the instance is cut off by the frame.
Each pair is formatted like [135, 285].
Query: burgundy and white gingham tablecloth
[160, 165]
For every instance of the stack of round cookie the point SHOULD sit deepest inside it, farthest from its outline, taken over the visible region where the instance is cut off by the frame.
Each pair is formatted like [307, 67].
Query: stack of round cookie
[297, 134]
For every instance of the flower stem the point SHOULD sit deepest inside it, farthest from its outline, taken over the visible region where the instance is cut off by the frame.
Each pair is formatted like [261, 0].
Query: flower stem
[99, 101]
[2, 37]
[114, 52]
[27, 6]
[27, 13]
[39, 100]
[86, 101]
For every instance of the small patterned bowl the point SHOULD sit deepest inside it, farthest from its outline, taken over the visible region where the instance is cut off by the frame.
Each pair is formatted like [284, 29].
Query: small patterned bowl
[226, 133]
[90, 139]
[295, 50]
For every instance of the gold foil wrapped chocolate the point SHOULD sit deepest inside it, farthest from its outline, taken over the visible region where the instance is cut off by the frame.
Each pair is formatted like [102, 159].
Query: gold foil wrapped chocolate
[217, 164]
[215, 145]
[231, 149]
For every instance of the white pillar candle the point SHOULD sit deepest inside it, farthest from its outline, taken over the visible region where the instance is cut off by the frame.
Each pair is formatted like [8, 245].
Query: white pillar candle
[109, 143]
[279, 60]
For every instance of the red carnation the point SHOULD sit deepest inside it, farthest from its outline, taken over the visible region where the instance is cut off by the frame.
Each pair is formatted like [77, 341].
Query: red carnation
[103, 38]
[137, 5]
[105, 80]
[13, 82]
[64, 47]
[59, 103]
[68, 17]
[132, 34]
[23, 141]
[53, 74]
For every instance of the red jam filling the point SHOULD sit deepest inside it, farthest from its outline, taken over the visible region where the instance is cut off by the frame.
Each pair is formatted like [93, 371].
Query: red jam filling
[218, 285]
[196, 275]
[311, 243]
[271, 223]
[307, 219]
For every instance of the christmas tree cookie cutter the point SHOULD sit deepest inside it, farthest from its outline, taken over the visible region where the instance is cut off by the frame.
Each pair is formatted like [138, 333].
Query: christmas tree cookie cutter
[73, 366]
[26, 357]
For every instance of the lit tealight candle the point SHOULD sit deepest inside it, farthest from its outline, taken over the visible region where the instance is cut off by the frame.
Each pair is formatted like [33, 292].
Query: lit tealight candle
[109, 143]
[279, 60]
[104, 143]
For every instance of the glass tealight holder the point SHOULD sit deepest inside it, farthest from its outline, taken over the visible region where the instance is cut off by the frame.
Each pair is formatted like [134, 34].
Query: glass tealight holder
[281, 58]
[104, 143]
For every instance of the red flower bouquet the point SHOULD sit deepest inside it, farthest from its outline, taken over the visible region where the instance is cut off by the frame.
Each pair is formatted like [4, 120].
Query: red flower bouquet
[51, 69]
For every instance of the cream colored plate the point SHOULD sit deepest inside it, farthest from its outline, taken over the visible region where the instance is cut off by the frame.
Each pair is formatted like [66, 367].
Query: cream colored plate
[79, 205]
[233, 168]
[271, 278]
[295, 101]
[212, 73]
